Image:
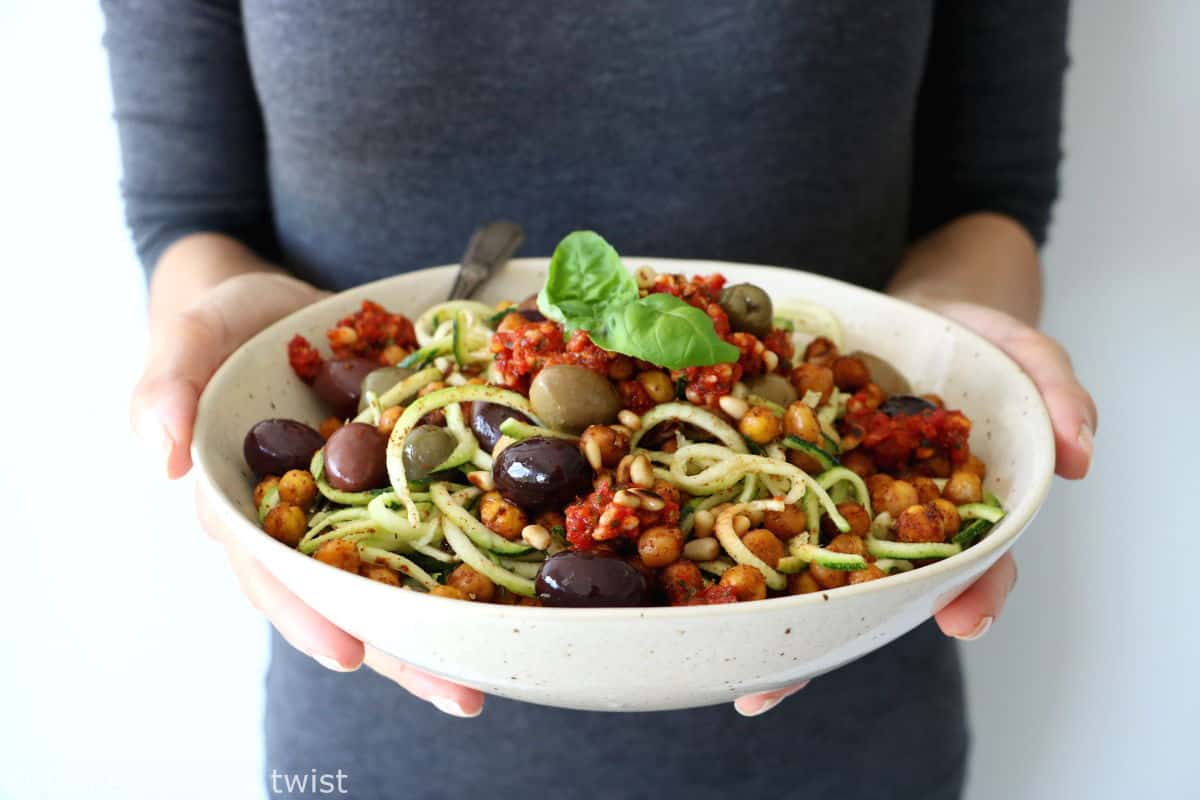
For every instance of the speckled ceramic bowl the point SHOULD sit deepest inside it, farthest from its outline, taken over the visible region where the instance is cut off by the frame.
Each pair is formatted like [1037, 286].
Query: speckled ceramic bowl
[638, 659]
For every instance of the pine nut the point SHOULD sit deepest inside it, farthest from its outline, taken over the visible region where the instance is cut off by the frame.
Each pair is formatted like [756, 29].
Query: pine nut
[501, 443]
[702, 523]
[482, 479]
[623, 469]
[536, 536]
[621, 429]
[627, 499]
[735, 407]
[770, 360]
[740, 524]
[756, 515]
[641, 473]
[645, 277]
[701, 549]
[629, 419]
[649, 500]
[591, 451]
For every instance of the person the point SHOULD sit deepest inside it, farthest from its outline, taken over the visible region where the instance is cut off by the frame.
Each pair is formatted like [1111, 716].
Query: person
[273, 151]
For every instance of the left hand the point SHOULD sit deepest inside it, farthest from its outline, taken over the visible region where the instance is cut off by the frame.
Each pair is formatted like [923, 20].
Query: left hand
[1074, 417]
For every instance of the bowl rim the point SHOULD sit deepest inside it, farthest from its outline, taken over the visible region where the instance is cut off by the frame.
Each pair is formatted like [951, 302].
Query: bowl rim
[1015, 521]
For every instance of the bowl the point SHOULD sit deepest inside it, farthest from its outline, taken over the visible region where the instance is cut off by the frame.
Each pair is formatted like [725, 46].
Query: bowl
[640, 659]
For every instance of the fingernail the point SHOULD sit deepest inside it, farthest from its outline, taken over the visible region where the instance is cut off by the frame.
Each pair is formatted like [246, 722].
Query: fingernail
[333, 664]
[763, 706]
[450, 706]
[1086, 440]
[156, 442]
[979, 630]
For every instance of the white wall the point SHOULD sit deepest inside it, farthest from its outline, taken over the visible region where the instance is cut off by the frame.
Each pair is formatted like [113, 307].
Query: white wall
[132, 668]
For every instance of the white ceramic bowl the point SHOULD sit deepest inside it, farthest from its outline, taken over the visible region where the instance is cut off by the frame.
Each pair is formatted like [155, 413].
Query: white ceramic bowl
[637, 659]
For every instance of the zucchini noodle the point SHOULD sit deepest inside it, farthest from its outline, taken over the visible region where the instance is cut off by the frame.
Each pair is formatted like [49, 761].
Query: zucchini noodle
[692, 415]
[479, 533]
[832, 477]
[467, 444]
[402, 391]
[373, 555]
[737, 549]
[428, 325]
[465, 549]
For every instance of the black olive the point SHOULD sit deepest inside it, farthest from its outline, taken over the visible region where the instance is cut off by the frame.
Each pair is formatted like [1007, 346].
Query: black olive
[274, 446]
[356, 458]
[486, 419]
[532, 315]
[749, 308]
[338, 383]
[579, 579]
[541, 473]
[904, 405]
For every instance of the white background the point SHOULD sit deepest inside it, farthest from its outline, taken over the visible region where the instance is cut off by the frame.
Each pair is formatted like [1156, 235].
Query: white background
[132, 668]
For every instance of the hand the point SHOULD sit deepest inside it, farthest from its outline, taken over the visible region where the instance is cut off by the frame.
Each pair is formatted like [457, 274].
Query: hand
[186, 349]
[1073, 416]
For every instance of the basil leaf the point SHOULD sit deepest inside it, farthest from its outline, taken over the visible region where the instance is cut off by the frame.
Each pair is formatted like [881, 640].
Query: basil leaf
[664, 330]
[586, 277]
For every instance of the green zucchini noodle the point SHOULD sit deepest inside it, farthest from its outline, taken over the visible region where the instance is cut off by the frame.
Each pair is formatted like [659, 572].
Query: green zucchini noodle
[465, 549]
[432, 324]
[692, 415]
[373, 555]
[838, 475]
[402, 391]
[737, 549]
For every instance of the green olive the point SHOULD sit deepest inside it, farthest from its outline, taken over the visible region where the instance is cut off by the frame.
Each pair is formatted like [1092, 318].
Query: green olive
[884, 375]
[379, 381]
[776, 388]
[570, 398]
[425, 448]
[749, 308]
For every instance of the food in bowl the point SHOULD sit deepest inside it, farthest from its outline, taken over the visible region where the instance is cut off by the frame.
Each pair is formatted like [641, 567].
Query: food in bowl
[622, 440]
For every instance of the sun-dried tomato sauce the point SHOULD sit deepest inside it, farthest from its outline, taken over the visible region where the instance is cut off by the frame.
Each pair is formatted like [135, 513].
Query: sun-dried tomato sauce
[596, 518]
[893, 442]
[372, 332]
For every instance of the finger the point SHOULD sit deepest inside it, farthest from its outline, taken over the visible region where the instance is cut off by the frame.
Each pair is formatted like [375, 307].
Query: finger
[447, 697]
[752, 705]
[970, 614]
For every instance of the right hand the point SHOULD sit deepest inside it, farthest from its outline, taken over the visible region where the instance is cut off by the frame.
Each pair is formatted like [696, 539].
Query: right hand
[187, 345]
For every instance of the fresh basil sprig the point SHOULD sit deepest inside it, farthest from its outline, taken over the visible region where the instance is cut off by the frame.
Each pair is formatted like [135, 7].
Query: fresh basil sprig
[589, 289]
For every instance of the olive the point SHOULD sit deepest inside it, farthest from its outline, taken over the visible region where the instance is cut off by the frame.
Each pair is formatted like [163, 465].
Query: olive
[274, 446]
[904, 405]
[577, 579]
[338, 383]
[776, 388]
[532, 315]
[426, 447]
[356, 458]
[570, 398]
[541, 473]
[486, 419]
[379, 381]
[883, 374]
[749, 308]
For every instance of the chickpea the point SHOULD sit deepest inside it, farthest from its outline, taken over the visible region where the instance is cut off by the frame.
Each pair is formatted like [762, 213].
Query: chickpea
[926, 489]
[680, 581]
[962, 488]
[475, 585]
[786, 524]
[950, 518]
[531, 602]
[820, 351]
[937, 466]
[801, 421]
[658, 385]
[875, 484]
[660, 546]
[976, 465]
[760, 425]
[452, 592]
[265, 485]
[510, 322]
[802, 583]
[286, 523]
[620, 368]
[501, 516]
[859, 463]
[848, 543]
[809, 377]
[746, 582]
[298, 488]
[871, 573]
[920, 523]
[551, 520]
[393, 354]
[868, 398]
[339, 553]
[895, 497]
[765, 545]
[504, 597]
[328, 426]
[379, 574]
[387, 420]
[856, 515]
[833, 578]
[850, 373]
[604, 443]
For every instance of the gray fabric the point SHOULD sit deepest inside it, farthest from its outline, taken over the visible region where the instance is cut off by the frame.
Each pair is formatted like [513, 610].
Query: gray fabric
[354, 140]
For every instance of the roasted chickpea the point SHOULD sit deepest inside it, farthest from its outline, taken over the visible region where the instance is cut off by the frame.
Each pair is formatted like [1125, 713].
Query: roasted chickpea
[746, 582]
[339, 553]
[765, 545]
[833, 578]
[875, 483]
[265, 485]
[871, 573]
[801, 421]
[975, 464]
[328, 426]
[894, 498]
[820, 351]
[962, 488]
[387, 420]
[859, 463]
[760, 425]
[950, 518]
[603, 444]
[393, 354]
[855, 514]
[551, 520]
[786, 524]
[850, 373]
[920, 523]
[511, 322]
[808, 377]
[937, 466]
[504, 597]
[848, 543]
[475, 585]
[660, 546]
[501, 516]
[451, 592]
[868, 398]
[379, 574]
[532, 602]
[620, 368]
[287, 523]
[658, 385]
[926, 489]
[802, 583]
[680, 582]
[298, 488]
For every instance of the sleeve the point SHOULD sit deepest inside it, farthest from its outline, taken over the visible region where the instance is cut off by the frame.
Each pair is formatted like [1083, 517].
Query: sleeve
[188, 121]
[989, 113]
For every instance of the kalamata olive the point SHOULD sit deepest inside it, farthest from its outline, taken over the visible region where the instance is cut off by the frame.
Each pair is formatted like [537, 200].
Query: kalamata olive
[338, 383]
[883, 374]
[532, 315]
[570, 398]
[486, 419]
[776, 388]
[379, 381]
[579, 579]
[356, 458]
[426, 447]
[274, 446]
[749, 308]
[541, 473]
[903, 405]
